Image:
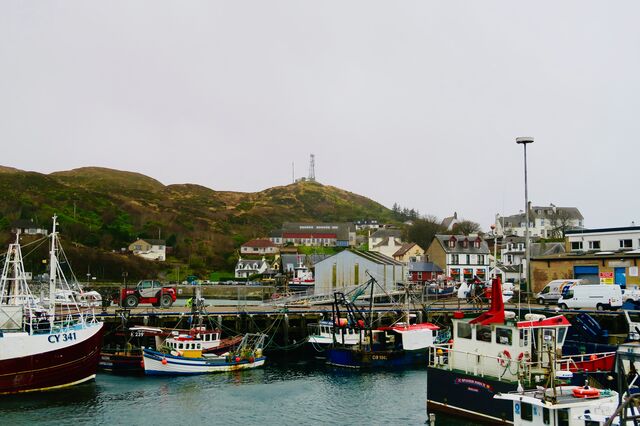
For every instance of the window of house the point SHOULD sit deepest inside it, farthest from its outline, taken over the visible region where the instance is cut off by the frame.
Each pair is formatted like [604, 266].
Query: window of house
[454, 259]
[419, 275]
[464, 330]
[452, 243]
[594, 245]
[483, 333]
[480, 259]
[468, 259]
[626, 244]
[576, 245]
[465, 243]
[509, 258]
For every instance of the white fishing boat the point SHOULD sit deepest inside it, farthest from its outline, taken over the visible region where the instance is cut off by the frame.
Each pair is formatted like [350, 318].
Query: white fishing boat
[562, 405]
[324, 334]
[183, 355]
[42, 349]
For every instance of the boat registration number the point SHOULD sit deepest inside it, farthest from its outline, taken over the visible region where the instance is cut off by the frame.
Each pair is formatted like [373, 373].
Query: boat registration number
[379, 357]
[64, 337]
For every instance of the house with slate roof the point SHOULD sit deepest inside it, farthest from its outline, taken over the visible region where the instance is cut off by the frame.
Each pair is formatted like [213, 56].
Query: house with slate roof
[461, 257]
[449, 222]
[409, 252]
[544, 222]
[315, 234]
[422, 272]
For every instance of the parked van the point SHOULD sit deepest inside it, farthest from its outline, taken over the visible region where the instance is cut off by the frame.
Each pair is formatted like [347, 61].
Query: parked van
[551, 292]
[592, 296]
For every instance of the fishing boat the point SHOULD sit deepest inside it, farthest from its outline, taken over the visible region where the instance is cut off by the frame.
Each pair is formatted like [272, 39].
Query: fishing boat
[398, 345]
[43, 347]
[561, 405]
[497, 353]
[183, 355]
[126, 357]
[325, 333]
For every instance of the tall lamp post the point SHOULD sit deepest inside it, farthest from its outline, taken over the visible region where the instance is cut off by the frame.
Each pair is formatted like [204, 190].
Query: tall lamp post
[524, 141]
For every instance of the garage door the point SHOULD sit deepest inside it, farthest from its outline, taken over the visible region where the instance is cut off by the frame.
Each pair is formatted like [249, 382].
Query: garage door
[588, 273]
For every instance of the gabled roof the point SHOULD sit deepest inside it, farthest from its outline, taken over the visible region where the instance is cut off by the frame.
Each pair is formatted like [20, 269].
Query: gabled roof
[386, 241]
[459, 247]
[404, 249]
[259, 243]
[386, 233]
[424, 267]
[447, 222]
[153, 242]
[376, 257]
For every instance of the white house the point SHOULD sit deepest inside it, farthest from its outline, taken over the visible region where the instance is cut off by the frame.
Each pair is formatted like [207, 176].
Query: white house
[149, 249]
[544, 222]
[248, 267]
[512, 254]
[28, 227]
[259, 246]
[604, 239]
[350, 267]
[462, 257]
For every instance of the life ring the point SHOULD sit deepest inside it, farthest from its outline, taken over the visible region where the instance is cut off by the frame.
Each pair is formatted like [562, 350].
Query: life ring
[524, 356]
[504, 358]
[585, 392]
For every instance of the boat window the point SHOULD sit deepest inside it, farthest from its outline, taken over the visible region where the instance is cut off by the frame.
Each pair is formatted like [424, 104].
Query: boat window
[181, 346]
[503, 336]
[526, 411]
[524, 338]
[563, 417]
[561, 333]
[546, 416]
[483, 333]
[464, 330]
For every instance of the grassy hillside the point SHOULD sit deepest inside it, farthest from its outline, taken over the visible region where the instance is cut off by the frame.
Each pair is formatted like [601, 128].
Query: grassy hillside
[103, 210]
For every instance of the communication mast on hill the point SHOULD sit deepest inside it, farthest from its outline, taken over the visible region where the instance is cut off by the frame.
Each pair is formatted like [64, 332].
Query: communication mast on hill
[312, 169]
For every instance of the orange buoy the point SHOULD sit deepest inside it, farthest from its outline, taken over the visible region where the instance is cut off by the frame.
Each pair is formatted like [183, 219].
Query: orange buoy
[237, 359]
[164, 361]
[251, 359]
[585, 392]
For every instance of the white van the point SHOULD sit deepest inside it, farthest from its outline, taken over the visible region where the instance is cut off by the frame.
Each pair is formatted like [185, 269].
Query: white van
[592, 296]
[552, 291]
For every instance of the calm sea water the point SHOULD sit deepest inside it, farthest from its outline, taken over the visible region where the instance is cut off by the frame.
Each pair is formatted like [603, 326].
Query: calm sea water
[283, 393]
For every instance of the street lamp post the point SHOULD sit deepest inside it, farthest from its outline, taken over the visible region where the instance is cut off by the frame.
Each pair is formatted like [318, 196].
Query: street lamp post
[524, 141]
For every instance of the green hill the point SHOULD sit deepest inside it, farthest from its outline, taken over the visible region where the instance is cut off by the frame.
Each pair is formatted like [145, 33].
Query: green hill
[103, 210]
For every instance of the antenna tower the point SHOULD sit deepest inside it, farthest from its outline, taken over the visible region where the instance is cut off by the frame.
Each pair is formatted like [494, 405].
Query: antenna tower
[312, 168]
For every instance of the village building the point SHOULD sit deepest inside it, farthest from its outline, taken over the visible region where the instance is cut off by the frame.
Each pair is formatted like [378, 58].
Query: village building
[604, 239]
[423, 272]
[544, 222]
[150, 249]
[246, 268]
[351, 267]
[409, 252]
[259, 246]
[367, 224]
[449, 222]
[315, 234]
[462, 257]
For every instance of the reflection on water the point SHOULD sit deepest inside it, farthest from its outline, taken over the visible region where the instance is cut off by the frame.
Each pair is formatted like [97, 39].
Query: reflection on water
[280, 393]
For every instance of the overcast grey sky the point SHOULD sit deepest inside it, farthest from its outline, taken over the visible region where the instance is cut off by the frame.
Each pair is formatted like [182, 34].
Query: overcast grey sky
[414, 102]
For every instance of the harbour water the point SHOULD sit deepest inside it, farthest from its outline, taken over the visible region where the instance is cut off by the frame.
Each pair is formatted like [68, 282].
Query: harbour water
[284, 393]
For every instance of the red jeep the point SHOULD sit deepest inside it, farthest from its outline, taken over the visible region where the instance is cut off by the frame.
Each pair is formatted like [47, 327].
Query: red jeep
[147, 291]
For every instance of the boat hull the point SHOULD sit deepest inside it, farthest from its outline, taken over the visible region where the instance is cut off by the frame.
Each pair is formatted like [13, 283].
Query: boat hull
[354, 358]
[121, 364]
[468, 396]
[65, 363]
[158, 363]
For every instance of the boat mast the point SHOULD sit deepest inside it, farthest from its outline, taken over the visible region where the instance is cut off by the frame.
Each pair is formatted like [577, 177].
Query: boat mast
[53, 269]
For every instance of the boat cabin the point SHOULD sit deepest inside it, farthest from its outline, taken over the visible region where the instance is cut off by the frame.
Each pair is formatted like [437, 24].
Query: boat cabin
[185, 346]
[404, 336]
[504, 349]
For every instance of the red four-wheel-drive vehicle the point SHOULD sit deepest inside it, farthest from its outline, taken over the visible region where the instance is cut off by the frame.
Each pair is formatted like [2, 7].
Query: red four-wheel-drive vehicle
[147, 291]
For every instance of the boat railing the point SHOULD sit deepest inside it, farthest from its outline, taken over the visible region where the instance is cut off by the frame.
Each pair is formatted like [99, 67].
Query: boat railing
[570, 362]
[440, 356]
